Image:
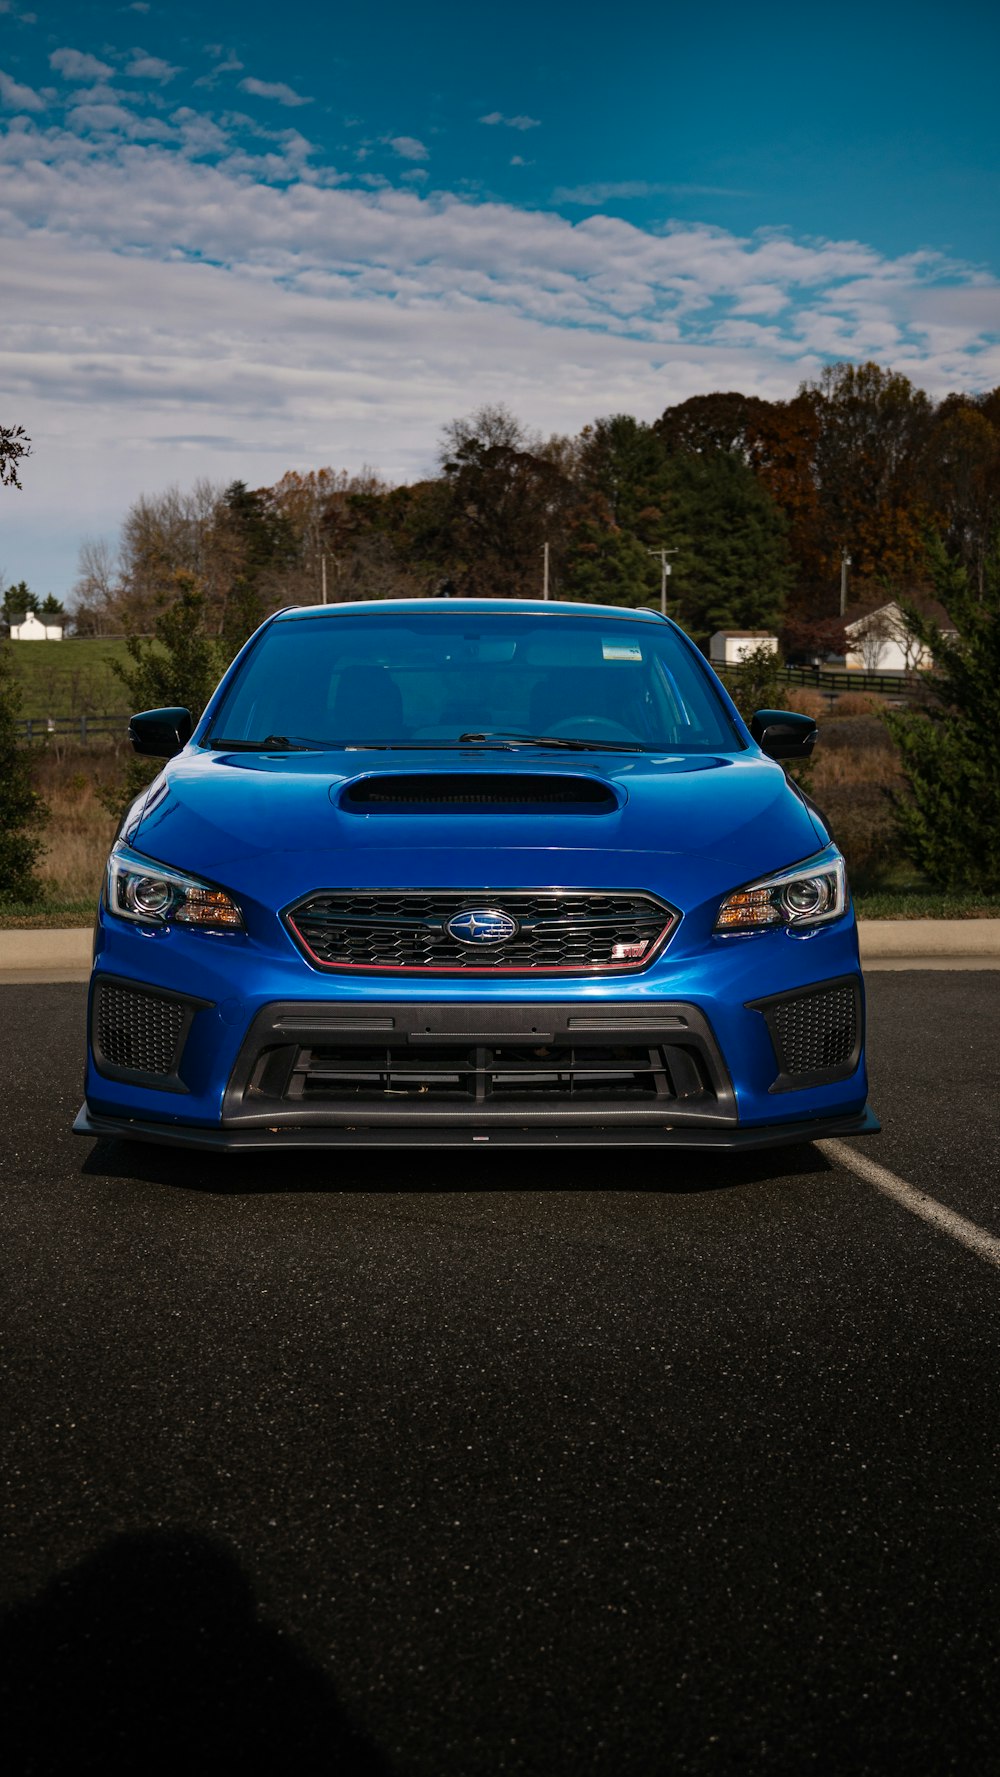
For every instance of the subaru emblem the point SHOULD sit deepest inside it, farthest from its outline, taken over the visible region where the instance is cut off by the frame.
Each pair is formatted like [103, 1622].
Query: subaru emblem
[481, 925]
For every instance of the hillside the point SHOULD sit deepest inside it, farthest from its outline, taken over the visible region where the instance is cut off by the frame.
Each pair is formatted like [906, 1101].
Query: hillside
[69, 678]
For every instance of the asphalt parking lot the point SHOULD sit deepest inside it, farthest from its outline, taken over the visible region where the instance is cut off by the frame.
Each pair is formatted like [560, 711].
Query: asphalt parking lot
[505, 1463]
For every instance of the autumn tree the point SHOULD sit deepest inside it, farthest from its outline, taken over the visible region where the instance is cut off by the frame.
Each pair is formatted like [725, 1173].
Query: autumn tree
[963, 477]
[872, 433]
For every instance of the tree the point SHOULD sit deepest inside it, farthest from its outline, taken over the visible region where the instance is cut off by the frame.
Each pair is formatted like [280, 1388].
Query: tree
[949, 824]
[18, 600]
[15, 446]
[178, 666]
[873, 428]
[505, 500]
[734, 572]
[872, 635]
[22, 810]
[51, 606]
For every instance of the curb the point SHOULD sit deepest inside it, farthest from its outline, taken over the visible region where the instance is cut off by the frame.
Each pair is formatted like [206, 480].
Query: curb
[972, 941]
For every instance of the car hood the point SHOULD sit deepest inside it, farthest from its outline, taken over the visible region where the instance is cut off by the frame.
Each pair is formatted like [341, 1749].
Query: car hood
[278, 825]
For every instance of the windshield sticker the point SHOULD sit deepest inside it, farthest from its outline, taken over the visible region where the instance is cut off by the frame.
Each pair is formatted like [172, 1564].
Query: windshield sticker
[615, 650]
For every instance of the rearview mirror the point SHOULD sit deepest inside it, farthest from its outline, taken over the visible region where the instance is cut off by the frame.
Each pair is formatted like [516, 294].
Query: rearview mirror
[160, 733]
[783, 734]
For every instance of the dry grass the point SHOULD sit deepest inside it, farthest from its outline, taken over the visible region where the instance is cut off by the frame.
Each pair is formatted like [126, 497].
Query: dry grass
[806, 702]
[857, 703]
[80, 829]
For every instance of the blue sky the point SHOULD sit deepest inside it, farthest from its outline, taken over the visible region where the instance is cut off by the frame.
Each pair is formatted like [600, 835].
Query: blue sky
[238, 238]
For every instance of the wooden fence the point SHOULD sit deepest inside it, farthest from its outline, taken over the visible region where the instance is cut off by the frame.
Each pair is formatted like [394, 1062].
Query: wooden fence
[79, 729]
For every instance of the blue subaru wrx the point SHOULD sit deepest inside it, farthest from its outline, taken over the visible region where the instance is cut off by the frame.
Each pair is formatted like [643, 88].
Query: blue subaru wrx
[448, 872]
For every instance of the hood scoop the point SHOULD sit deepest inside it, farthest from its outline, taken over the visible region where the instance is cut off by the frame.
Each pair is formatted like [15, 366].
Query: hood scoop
[465, 792]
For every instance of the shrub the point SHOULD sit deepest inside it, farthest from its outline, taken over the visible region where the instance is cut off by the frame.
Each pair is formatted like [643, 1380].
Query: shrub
[22, 810]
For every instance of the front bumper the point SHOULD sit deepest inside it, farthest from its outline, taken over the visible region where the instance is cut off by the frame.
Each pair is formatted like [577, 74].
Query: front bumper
[687, 1054]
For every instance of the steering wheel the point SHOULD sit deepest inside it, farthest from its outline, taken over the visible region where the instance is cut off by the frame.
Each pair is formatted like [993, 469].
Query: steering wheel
[591, 728]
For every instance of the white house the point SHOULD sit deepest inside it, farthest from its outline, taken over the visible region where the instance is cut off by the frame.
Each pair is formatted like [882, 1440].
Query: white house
[729, 646]
[879, 640]
[32, 628]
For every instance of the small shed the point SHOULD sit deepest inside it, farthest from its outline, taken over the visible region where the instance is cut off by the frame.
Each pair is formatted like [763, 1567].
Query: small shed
[729, 646]
[33, 628]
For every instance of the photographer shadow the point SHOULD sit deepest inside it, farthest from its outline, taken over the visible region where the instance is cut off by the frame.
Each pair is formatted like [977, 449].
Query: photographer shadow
[150, 1655]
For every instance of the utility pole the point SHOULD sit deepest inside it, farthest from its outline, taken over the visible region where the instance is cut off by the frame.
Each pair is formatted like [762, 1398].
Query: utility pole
[665, 570]
[545, 570]
[845, 562]
[323, 572]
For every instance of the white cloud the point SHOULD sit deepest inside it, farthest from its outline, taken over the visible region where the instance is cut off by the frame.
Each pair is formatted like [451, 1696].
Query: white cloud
[591, 197]
[74, 64]
[408, 148]
[147, 67]
[512, 123]
[164, 317]
[273, 89]
[15, 97]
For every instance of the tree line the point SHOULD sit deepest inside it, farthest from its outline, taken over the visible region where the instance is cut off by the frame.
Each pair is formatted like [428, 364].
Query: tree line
[757, 502]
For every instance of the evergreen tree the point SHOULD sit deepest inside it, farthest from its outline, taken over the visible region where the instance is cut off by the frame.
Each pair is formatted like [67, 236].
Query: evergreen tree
[22, 810]
[18, 600]
[950, 823]
[733, 570]
[179, 666]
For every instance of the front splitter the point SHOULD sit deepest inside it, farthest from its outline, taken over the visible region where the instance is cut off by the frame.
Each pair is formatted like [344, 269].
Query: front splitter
[233, 1140]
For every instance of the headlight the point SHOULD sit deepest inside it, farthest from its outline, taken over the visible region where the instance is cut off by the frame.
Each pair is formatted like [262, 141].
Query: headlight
[154, 894]
[807, 895]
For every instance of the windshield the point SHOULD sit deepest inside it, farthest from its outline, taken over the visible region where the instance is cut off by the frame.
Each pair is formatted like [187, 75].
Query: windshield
[450, 678]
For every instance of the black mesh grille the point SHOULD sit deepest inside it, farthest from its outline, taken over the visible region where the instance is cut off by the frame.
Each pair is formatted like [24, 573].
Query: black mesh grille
[555, 930]
[817, 1031]
[139, 1031]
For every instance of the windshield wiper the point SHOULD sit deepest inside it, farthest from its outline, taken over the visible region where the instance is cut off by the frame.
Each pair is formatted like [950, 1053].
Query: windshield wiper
[274, 743]
[555, 740]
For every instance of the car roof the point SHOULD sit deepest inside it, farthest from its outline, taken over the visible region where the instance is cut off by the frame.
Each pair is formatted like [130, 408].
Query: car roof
[464, 607]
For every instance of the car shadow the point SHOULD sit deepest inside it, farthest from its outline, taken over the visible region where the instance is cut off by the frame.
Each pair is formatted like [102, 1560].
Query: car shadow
[407, 1171]
[150, 1655]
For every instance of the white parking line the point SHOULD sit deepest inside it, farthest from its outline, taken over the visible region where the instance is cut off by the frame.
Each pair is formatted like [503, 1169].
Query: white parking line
[985, 1246]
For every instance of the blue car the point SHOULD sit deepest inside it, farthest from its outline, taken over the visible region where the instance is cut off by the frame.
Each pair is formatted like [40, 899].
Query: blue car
[450, 872]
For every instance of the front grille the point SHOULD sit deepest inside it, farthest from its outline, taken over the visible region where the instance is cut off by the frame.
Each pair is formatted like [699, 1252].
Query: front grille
[136, 1031]
[449, 1064]
[816, 1032]
[477, 1075]
[562, 931]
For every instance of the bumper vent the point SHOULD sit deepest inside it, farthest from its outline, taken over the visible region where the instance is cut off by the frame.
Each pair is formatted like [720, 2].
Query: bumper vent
[816, 1032]
[553, 932]
[365, 1065]
[138, 1034]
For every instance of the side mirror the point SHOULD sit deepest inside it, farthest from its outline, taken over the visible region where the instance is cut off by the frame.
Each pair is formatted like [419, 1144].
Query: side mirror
[783, 734]
[160, 733]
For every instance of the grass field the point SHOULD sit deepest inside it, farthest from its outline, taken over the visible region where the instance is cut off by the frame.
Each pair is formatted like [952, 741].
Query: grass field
[70, 678]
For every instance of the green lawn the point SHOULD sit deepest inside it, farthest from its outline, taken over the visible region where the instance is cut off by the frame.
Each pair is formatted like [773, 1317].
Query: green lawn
[69, 678]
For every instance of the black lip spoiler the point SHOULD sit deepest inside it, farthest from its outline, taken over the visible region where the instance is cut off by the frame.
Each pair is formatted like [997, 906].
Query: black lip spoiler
[219, 1139]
